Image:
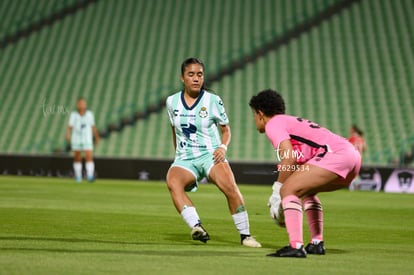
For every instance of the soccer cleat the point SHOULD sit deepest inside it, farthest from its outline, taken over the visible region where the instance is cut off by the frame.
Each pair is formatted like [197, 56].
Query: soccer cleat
[78, 179]
[250, 242]
[91, 179]
[317, 249]
[289, 251]
[199, 233]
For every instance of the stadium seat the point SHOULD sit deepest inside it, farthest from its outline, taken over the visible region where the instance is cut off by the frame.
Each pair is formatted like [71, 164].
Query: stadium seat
[124, 56]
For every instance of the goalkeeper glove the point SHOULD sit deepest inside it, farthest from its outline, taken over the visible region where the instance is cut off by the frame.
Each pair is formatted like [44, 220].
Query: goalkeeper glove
[275, 205]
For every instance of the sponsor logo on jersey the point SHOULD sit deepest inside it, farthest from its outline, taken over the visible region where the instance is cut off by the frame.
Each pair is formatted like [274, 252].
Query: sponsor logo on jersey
[176, 113]
[188, 129]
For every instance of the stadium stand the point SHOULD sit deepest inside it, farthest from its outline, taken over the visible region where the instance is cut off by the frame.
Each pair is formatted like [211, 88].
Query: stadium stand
[19, 19]
[124, 57]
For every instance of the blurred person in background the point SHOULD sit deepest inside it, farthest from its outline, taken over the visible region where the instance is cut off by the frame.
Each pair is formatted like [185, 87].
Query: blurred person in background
[82, 134]
[356, 137]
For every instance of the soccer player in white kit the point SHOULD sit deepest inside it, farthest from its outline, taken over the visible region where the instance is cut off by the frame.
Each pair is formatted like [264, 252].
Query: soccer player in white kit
[80, 133]
[201, 135]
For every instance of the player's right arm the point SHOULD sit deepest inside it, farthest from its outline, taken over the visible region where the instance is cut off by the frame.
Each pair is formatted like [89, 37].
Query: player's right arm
[174, 137]
[68, 133]
[70, 126]
[287, 162]
[170, 113]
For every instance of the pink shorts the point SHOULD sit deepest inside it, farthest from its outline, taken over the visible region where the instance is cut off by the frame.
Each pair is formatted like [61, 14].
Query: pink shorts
[345, 162]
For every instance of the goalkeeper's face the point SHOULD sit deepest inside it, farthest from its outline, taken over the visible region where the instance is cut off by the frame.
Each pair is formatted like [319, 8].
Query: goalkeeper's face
[259, 120]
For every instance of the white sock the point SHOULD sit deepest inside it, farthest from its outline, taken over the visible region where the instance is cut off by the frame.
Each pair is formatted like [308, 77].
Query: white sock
[241, 220]
[77, 167]
[315, 241]
[190, 216]
[90, 169]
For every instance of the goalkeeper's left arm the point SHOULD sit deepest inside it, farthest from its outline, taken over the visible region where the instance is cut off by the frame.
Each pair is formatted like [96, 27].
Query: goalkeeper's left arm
[284, 169]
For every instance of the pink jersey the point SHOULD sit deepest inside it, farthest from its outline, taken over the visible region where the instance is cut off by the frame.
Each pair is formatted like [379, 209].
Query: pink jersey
[307, 138]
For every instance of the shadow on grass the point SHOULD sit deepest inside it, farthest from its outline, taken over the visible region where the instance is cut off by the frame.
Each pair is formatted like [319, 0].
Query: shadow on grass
[336, 251]
[186, 239]
[161, 253]
[70, 240]
[171, 239]
[169, 251]
[177, 240]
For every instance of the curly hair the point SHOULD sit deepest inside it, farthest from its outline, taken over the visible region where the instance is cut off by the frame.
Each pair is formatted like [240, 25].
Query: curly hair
[269, 102]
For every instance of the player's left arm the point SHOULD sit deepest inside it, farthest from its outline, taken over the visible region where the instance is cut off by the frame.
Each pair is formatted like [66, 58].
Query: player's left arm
[95, 134]
[94, 129]
[220, 153]
[285, 168]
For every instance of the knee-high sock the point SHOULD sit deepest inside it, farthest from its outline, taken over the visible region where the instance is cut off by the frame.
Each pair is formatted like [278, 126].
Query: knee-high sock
[90, 169]
[292, 208]
[314, 213]
[77, 167]
[190, 216]
[241, 221]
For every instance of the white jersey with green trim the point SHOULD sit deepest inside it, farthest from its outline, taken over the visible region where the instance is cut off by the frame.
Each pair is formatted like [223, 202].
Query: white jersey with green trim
[82, 128]
[196, 127]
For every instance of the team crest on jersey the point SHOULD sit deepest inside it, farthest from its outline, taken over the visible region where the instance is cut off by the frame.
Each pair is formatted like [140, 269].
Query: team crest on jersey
[203, 112]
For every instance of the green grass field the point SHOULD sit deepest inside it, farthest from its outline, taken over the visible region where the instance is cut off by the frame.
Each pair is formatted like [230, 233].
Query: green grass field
[55, 226]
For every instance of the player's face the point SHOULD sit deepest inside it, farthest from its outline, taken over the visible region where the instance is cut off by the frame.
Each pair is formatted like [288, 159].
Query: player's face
[193, 78]
[352, 132]
[259, 120]
[81, 105]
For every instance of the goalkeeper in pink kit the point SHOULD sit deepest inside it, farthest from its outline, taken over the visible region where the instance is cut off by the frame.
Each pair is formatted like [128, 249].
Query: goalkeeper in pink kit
[312, 160]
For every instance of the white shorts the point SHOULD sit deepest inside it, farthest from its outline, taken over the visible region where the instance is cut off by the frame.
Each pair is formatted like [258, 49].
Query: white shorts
[82, 147]
[81, 142]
